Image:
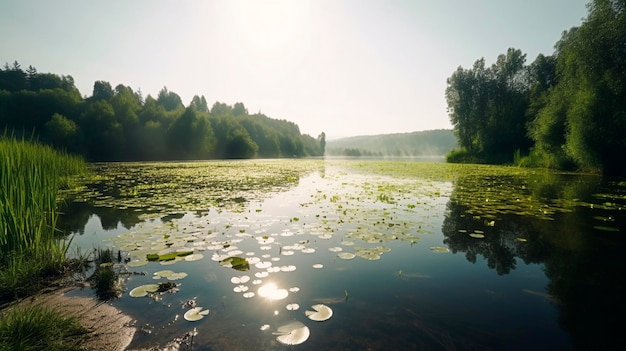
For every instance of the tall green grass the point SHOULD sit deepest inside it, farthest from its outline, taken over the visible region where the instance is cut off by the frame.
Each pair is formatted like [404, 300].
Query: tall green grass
[39, 328]
[30, 177]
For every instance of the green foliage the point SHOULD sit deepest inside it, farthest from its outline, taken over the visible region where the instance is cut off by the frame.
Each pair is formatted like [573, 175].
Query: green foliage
[570, 104]
[462, 156]
[119, 125]
[39, 328]
[30, 176]
[487, 107]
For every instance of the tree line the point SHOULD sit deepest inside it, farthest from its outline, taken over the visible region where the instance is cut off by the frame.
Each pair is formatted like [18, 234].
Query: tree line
[415, 144]
[565, 111]
[119, 124]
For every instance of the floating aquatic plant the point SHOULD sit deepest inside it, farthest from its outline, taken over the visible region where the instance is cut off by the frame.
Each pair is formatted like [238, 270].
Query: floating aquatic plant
[236, 263]
[293, 333]
[320, 313]
[346, 255]
[439, 249]
[143, 290]
[292, 307]
[195, 314]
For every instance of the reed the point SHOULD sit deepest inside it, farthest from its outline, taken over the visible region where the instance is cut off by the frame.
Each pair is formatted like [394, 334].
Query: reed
[30, 177]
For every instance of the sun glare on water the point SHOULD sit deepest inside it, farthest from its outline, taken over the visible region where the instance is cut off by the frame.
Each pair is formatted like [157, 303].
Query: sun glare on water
[272, 292]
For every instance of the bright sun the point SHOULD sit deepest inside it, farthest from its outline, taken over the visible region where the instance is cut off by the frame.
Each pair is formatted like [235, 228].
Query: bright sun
[269, 27]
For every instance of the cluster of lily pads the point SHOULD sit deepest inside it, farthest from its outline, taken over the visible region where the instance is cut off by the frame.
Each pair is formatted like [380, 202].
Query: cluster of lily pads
[154, 188]
[349, 215]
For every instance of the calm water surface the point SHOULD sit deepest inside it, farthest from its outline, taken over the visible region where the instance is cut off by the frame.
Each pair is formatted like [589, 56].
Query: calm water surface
[459, 259]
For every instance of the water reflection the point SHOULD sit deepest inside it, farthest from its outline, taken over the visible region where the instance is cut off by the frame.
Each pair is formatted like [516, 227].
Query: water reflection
[586, 282]
[537, 257]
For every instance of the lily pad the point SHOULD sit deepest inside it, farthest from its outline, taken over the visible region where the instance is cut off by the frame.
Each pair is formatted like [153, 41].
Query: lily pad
[143, 290]
[294, 333]
[292, 307]
[194, 257]
[439, 249]
[477, 235]
[346, 255]
[236, 263]
[240, 280]
[320, 313]
[195, 314]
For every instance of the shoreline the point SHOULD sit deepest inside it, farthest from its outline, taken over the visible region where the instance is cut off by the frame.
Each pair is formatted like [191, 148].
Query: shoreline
[107, 327]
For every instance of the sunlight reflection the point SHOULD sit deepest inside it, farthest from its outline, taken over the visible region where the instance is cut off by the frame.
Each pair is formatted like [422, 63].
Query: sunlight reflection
[272, 292]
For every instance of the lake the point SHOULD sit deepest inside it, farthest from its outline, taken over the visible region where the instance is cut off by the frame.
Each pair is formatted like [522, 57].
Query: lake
[359, 255]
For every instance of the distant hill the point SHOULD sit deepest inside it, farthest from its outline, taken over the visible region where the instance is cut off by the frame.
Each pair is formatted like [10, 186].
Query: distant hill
[425, 143]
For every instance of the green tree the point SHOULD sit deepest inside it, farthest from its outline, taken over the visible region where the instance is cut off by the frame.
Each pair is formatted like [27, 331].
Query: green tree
[169, 100]
[63, 133]
[322, 140]
[104, 135]
[191, 136]
[102, 91]
[199, 103]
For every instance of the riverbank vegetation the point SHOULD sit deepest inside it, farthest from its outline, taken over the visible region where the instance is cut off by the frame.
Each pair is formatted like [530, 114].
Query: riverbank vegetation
[565, 111]
[119, 124]
[39, 328]
[31, 248]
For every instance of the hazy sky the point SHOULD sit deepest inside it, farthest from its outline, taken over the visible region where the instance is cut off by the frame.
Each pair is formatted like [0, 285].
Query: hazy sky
[344, 67]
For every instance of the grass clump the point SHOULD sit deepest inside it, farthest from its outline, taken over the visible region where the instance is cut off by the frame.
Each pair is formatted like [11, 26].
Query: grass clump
[39, 328]
[30, 247]
[106, 280]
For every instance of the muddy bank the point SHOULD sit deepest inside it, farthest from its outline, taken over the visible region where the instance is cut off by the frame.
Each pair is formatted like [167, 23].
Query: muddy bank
[108, 329]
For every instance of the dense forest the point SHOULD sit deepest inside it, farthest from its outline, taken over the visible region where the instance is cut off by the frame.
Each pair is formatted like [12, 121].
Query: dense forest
[118, 124]
[566, 110]
[415, 144]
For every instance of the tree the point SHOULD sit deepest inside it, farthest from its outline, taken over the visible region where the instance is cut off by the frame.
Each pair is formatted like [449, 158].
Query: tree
[584, 118]
[102, 91]
[487, 107]
[191, 136]
[199, 103]
[63, 133]
[169, 100]
[104, 135]
[239, 109]
[322, 140]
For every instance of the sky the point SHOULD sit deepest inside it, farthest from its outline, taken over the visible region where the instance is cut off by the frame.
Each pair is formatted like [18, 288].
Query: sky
[344, 67]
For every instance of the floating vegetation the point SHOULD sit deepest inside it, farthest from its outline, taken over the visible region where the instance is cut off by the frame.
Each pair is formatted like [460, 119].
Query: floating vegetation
[167, 256]
[167, 274]
[292, 307]
[195, 314]
[240, 280]
[320, 313]
[293, 333]
[439, 249]
[194, 257]
[346, 214]
[346, 255]
[236, 263]
[143, 290]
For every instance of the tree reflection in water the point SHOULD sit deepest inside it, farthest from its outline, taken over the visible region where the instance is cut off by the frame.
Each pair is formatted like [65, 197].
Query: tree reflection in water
[586, 281]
